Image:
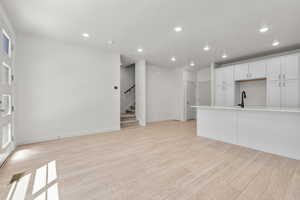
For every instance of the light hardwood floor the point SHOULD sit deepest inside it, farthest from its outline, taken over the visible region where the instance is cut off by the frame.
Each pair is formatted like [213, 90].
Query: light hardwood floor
[161, 161]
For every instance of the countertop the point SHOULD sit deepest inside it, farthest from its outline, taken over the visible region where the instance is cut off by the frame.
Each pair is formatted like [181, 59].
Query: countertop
[252, 108]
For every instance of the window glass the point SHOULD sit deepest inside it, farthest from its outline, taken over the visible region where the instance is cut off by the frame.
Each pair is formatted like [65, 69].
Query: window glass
[6, 43]
[6, 135]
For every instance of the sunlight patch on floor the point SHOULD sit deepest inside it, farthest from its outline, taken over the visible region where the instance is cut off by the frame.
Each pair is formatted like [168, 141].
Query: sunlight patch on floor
[45, 184]
[22, 155]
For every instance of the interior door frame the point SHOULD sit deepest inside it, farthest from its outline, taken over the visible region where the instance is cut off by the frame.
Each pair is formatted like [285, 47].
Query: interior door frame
[186, 97]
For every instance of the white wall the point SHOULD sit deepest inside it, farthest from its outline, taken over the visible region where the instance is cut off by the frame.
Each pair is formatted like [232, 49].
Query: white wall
[64, 90]
[212, 83]
[140, 91]
[127, 81]
[189, 76]
[203, 74]
[162, 93]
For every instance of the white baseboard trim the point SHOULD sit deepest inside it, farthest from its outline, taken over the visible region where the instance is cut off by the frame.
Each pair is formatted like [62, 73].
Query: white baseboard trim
[60, 136]
[161, 120]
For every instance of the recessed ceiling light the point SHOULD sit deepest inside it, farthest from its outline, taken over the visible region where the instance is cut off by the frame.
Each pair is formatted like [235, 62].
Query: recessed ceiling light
[263, 29]
[206, 48]
[110, 42]
[85, 35]
[178, 29]
[224, 55]
[173, 59]
[192, 64]
[275, 43]
[140, 50]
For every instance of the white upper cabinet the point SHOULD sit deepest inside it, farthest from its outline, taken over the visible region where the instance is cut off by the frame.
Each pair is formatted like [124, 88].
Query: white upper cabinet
[283, 93]
[229, 75]
[241, 72]
[290, 93]
[274, 93]
[230, 95]
[282, 79]
[274, 69]
[224, 92]
[290, 67]
[254, 70]
[257, 70]
[224, 95]
[225, 75]
[219, 75]
[220, 96]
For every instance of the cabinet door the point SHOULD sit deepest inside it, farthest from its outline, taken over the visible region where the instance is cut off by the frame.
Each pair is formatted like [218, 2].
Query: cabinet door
[290, 67]
[241, 72]
[257, 70]
[273, 93]
[224, 75]
[229, 75]
[220, 76]
[274, 69]
[220, 95]
[229, 95]
[290, 93]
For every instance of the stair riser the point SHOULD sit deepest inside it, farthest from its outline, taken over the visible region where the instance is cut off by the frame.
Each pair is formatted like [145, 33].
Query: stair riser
[128, 118]
[129, 124]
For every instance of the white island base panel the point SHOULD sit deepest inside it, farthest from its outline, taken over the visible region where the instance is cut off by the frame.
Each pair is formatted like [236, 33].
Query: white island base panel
[273, 132]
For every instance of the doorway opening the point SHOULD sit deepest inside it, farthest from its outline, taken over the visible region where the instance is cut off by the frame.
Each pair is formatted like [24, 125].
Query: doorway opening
[128, 94]
[190, 100]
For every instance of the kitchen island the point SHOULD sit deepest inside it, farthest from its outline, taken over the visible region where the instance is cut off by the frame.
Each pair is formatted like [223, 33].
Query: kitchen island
[270, 129]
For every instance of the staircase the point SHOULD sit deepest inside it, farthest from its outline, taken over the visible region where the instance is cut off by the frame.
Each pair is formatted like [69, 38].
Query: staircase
[128, 119]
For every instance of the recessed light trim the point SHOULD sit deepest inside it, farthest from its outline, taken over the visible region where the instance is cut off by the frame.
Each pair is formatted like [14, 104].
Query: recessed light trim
[178, 29]
[224, 55]
[192, 64]
[264, 29]
[206, 48]
[275, 43]
[140, 50]
[85, 35]
[173, 59]
[110, 42]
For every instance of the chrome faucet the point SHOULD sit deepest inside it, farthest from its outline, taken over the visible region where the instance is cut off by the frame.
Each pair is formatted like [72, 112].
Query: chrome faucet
[242, 104]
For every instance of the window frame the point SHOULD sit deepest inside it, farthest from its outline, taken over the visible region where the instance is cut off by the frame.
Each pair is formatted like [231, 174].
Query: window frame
[9, 73]
[9, 136]
[4, 33]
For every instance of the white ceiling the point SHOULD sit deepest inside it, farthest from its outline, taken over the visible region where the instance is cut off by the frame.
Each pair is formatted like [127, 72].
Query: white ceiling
[229, 26]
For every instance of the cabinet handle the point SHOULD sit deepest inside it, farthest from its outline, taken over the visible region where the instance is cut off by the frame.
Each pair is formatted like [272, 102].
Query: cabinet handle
[283, 84]
[284, 76]
[279, 76]
[279, 84]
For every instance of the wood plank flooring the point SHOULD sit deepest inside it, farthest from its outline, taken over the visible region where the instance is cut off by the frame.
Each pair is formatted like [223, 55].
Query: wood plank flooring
[162, 161]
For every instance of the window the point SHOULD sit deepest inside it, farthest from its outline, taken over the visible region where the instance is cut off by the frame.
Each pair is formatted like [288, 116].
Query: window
[6, 135]
[6, 43]
[6, 105]
[5, 74]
